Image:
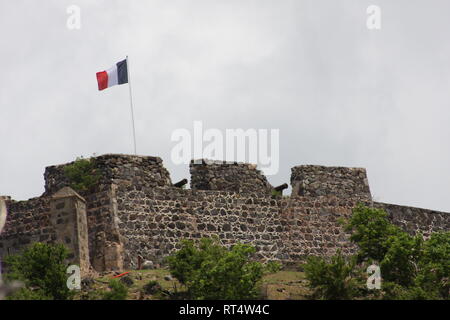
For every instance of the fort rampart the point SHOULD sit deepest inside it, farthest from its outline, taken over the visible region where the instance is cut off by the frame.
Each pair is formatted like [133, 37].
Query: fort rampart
[136, 213]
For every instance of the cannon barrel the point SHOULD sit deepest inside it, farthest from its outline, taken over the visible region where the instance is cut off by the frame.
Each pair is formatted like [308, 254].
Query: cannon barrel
[281, 187]
[181, 183]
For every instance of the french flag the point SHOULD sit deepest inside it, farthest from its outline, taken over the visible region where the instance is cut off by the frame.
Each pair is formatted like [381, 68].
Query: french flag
[117, 74]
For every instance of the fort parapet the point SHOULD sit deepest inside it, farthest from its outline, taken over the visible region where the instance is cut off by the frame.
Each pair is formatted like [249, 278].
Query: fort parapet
[135, 213]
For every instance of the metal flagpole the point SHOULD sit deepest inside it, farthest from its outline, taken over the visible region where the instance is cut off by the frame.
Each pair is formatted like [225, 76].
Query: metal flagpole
[131, 105]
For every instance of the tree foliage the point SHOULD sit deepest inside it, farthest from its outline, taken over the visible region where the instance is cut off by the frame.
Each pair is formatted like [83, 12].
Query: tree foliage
[42, 268]
[335, 278]
[211, 271]
[411, 268]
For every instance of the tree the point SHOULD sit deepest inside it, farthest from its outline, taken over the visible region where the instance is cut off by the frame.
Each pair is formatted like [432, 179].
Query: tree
[370, 230]
[211, 271]
[411, 268]
[42, 269]
[434, 265]
[335, 278]
[381, 242]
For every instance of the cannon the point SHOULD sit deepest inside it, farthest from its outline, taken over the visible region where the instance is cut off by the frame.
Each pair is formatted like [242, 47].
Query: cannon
[280, 188]
[181, 183]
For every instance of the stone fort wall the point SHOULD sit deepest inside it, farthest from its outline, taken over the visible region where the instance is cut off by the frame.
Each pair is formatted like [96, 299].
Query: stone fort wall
[136, 213]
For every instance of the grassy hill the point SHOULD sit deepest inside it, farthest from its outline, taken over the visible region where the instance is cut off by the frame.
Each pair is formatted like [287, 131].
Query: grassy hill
[282, 285]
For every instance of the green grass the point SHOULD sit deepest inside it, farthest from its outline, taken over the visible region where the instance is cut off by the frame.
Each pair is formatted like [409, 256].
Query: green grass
[278, 286]
[285, 285]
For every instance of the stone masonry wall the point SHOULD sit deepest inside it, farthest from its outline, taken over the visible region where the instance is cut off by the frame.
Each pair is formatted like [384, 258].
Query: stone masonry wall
[314, 181]
[312, 225]
[105, 247]
[143, 171]
[231, 176]
[27, 222]
[60, 218]
[135, 211]
[415, 220]
[153, 221]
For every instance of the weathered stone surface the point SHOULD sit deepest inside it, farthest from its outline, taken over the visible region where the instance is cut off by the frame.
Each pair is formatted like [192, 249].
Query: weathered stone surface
[308, 180]
[141, 171]
[229, 176]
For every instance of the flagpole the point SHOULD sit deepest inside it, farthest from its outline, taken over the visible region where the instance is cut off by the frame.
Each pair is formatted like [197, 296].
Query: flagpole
[131, 104]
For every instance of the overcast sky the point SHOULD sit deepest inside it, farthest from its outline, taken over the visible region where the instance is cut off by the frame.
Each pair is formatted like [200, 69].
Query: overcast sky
[340, 94]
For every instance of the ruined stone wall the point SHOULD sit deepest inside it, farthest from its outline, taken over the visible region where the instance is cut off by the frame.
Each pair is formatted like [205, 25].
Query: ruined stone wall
[153, 221]
[102, 231]
[105, 249]
[232, 176]
[27, 222]
[143, 171]
[342, 182]
[136, 211]
[313, 225]
[68, 218]
[60, 218]
[415, 220]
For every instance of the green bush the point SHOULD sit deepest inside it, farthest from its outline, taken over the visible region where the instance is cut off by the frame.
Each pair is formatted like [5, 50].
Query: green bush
[411, 268]
[371, 230]
[82, 174]
[399, 264]
[211, 271]
[434, 265]
[380, 242]
[28, 294]
[118, 291]
[272, 267]
[152, 287]
[335, 278]
[42, 269]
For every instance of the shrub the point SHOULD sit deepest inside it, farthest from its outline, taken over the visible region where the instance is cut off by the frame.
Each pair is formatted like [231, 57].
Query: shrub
[28, 294]
[399, 263]
[82, 174]
[152, 287]
[272, 267]
[336, 279]
[42, 269]
[381, 242]
[211, 271]
[411, 268]
[118, 291]
[434, 265]
[370, 230]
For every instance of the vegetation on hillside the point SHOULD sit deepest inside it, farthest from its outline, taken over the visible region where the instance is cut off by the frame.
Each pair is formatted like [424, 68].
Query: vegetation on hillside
[411, 268]
[209, 270]
[42, 270]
